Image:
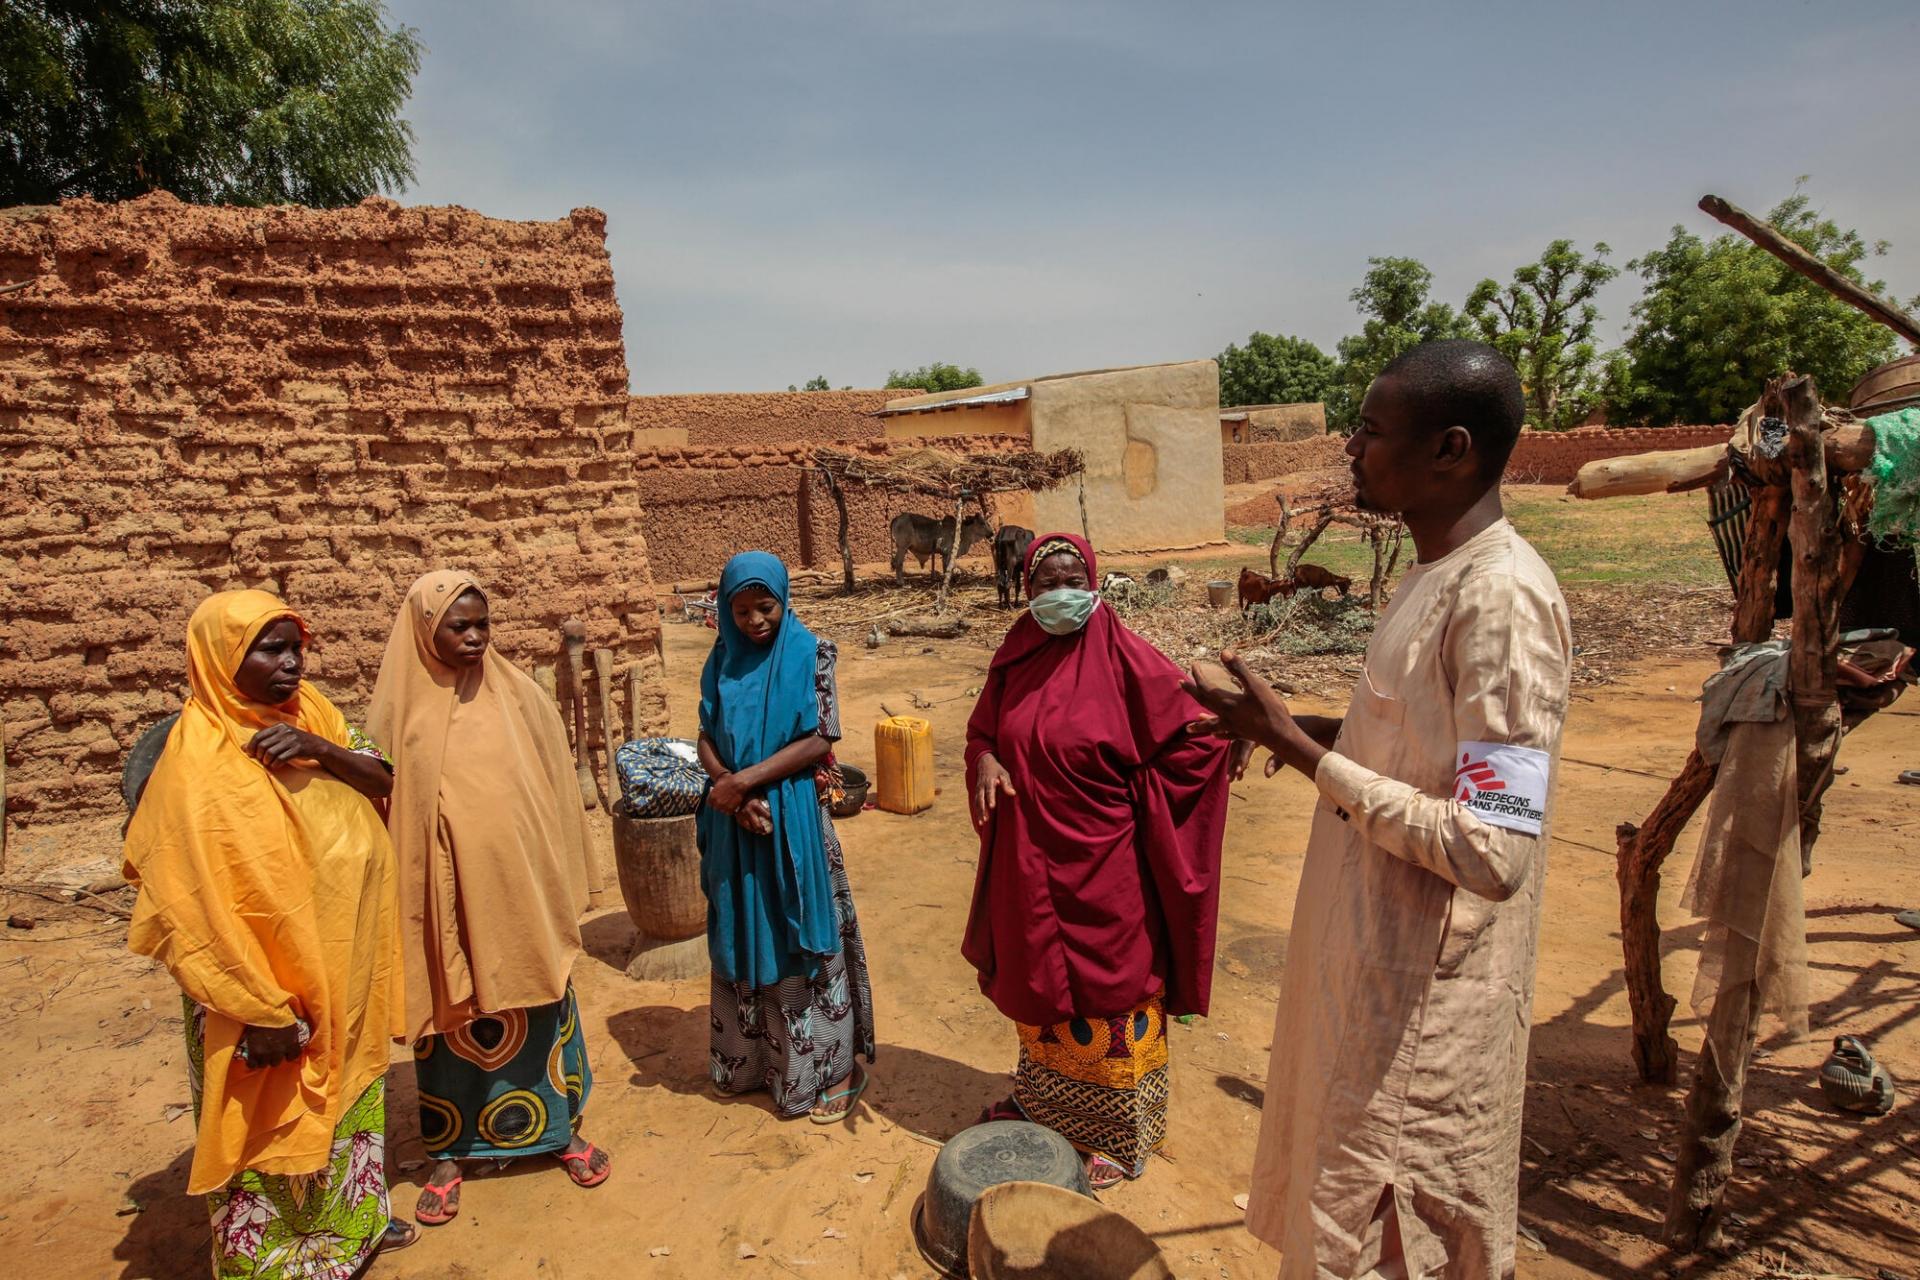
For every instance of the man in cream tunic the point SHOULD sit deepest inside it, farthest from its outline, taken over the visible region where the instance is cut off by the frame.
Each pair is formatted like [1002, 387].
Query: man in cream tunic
[1390, 1138]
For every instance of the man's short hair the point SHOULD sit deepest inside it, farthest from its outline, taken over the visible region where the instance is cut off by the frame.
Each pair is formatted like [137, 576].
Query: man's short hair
[1457, 382]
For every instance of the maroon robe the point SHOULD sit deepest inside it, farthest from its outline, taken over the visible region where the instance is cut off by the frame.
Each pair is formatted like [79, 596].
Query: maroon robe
[1099, 880]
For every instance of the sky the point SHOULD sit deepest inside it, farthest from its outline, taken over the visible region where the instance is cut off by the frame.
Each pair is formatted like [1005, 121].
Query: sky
[847, 187]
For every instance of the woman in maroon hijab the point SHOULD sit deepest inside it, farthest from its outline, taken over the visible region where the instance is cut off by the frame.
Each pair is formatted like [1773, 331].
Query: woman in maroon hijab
[1100, 824]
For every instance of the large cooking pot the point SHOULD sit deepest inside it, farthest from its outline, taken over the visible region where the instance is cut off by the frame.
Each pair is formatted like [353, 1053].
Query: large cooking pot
[1886, 388]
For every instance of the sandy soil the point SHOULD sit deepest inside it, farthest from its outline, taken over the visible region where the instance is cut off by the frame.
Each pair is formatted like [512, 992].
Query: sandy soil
[98, 1151]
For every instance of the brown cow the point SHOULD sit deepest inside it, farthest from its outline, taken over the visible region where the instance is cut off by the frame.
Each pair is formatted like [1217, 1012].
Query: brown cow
[1316, 579]
[1258, 588]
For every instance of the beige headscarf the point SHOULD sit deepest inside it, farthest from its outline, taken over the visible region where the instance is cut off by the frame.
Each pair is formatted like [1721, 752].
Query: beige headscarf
[486, 821]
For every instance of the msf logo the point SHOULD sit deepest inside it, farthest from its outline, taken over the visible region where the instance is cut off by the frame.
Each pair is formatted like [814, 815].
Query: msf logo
[1475, 776]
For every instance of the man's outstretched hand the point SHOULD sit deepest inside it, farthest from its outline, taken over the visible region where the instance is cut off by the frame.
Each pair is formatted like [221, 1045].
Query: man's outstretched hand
[1254, 713]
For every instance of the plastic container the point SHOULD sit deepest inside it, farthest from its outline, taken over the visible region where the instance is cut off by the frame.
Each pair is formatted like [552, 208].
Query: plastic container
[903, 764]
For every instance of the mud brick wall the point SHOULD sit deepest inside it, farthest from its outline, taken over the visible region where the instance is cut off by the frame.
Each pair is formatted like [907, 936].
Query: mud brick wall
[704, 504]
[1553, 457]
[759, 417]
[1251, 463]
[321, 403]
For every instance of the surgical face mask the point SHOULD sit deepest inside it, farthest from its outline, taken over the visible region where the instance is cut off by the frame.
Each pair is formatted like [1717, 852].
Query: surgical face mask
[1064, 611]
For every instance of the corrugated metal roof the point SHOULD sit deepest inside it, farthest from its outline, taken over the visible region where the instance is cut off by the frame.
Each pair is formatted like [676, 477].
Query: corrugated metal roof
[964, 402]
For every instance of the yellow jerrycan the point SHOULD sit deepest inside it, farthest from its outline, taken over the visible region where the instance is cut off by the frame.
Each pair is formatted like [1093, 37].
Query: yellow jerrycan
[903, 764]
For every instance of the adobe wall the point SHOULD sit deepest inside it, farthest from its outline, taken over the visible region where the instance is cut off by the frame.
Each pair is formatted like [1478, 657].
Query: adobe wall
[760, 417]
[704, 504]
[1252, 463]
[1151, 439]
[1553, 457]
[321, 403]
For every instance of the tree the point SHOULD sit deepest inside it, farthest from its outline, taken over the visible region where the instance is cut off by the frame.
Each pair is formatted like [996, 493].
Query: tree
[1393, 297]
[1274, 370]
[818, 382]
[1720, 317]
[1543, 321]
[937, 376]
[217, 101]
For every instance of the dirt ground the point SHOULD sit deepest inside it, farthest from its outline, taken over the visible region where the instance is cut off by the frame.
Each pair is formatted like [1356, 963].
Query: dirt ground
[98, 1151]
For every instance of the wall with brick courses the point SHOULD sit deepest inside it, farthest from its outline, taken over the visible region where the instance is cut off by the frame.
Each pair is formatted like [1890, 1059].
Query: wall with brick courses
[761, 417]
[1251, 463]
[321, 403]
[1552, 457]
[704, 504]
[1540, 457]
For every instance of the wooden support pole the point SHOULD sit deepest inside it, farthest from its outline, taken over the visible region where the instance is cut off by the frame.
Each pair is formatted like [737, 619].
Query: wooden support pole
[839, 496]
[1767, 237]
[1279, 535]
[1713, 1117]
[953, 551]
[1311, 536]
[1642, 850]
[1849, 446]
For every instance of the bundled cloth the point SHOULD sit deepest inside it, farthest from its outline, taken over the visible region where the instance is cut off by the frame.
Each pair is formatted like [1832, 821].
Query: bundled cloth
[1896, 476]
[660, 777]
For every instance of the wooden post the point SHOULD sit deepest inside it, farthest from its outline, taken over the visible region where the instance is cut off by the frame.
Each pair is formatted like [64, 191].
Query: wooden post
[953, 550]
[1279, 535]
[1307, 539]
[1705, 1161]
[1769, 238]
[839, 497]
[1642, 850]
[1086, 530]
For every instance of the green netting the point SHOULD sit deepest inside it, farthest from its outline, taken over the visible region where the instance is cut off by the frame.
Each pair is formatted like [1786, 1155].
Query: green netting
[1896, 476]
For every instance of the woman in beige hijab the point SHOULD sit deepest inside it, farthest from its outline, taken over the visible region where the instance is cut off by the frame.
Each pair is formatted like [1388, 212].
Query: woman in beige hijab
[492, 850]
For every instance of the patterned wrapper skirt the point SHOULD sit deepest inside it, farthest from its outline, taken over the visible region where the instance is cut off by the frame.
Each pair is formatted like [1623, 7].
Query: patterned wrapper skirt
[1101, 1083]
[314, 1226]
[797, 1037]
[512, 1083]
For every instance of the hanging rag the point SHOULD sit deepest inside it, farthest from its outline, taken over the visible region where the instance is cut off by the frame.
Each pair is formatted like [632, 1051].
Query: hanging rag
[1746, 879]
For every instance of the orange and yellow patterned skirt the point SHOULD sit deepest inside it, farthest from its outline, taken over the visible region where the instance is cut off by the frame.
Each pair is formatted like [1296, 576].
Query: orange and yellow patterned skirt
[1101, 1083]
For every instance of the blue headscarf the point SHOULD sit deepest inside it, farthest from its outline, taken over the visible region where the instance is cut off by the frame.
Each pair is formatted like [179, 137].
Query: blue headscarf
[770, 912]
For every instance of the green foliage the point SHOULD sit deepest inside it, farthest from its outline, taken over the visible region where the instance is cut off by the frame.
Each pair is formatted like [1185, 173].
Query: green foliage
[217, 101]
[1305, 624]
[1720, 317]
[1543, 321]
[1274, 370]
[818, 382]
[1399, 314]
[937, 376]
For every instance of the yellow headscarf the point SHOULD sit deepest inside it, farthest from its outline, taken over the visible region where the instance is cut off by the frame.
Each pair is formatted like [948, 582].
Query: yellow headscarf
[487, 823]
[267, 894]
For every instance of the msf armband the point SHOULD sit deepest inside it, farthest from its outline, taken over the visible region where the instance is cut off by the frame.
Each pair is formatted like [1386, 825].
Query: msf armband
[1503, 785]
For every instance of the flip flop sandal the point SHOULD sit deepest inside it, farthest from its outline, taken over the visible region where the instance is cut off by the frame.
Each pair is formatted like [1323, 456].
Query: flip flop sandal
[443, 1190]
[1911, 919]
[851, 1095]
[1104, 1174]
[397, 1236]
[586, 1177]
[1005, 1109]
[1911, 777]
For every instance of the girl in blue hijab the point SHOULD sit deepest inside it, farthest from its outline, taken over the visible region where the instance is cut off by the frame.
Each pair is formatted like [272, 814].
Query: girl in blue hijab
[792, 1005]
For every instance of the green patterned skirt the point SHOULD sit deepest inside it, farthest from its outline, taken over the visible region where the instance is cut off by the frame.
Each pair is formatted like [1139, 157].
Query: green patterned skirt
[315, 1226]
[507, 1084]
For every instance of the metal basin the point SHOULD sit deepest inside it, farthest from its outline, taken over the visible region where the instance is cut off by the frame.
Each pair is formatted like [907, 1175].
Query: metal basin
[984, 1156]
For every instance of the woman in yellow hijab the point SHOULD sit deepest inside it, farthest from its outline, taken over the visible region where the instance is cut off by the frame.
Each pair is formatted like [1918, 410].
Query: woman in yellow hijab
[494, 872]
[266, 887]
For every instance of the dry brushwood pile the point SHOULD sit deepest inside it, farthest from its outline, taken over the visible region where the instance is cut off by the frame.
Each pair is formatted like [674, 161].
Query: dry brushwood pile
[940, 474]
